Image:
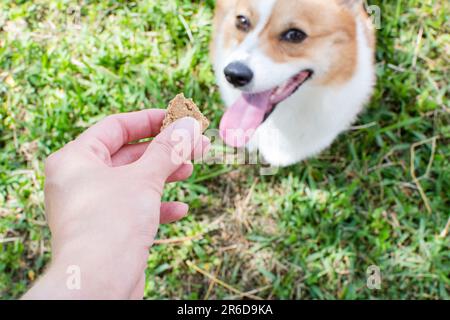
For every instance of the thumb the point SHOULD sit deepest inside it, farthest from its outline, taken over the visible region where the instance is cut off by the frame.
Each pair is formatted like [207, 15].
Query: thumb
[172, 148]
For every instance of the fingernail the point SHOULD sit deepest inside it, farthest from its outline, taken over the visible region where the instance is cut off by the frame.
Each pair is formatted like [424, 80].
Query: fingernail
[185, 207]
[186, 123]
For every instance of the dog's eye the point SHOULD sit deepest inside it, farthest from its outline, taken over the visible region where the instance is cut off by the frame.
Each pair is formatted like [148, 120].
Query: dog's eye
[293, 36]
[243, 23]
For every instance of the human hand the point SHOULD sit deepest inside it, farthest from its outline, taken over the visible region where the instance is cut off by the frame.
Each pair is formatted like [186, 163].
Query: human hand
[103, 202]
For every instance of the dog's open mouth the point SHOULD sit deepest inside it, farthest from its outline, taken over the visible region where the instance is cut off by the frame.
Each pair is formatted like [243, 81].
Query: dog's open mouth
[242, 119]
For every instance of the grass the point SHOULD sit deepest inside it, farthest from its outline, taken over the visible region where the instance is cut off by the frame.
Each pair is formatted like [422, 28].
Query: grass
[379, 196]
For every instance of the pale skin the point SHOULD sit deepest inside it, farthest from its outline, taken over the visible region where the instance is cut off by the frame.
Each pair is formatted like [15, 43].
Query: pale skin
[103, 203]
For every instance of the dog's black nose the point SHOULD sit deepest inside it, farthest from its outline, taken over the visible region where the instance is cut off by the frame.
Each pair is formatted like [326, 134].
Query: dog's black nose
[238, 74]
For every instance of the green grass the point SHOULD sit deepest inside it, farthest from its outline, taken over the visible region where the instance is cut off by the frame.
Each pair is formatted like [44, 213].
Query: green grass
[310, 231]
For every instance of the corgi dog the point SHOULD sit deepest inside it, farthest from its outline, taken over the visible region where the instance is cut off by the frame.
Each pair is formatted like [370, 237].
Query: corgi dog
[293, 74]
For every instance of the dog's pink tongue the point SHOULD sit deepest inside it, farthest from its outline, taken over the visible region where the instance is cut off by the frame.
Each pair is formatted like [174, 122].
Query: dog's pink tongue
[241, 120]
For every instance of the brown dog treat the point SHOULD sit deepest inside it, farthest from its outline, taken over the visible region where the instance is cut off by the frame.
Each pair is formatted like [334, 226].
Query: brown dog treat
[181, 107]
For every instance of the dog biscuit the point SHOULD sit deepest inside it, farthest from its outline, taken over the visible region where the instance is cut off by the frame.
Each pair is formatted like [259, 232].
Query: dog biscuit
[181, 107]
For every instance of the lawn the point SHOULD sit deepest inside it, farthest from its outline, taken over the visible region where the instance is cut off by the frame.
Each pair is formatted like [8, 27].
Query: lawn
[379, 196]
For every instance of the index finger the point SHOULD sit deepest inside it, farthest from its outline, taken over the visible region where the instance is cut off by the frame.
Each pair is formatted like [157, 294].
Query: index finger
[118, 130]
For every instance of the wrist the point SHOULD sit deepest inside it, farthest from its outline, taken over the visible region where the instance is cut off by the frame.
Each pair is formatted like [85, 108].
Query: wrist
[94, 272]
[74, 279]
[88, 272]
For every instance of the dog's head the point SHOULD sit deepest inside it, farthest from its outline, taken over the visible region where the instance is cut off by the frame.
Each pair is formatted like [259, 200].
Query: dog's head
[268, 49]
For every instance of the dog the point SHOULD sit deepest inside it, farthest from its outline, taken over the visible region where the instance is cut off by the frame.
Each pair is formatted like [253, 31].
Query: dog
[293, 74]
